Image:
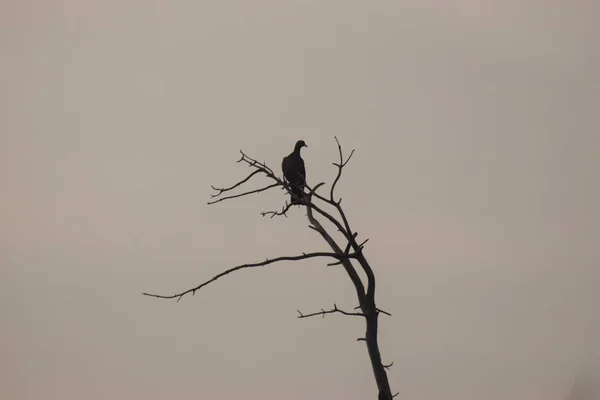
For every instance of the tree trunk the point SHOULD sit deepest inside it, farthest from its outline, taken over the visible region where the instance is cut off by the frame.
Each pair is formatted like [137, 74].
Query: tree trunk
[379, 371]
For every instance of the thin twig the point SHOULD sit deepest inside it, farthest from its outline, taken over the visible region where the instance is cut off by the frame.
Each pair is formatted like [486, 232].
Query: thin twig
[244, 194]
[283, 211]
[259, 264]
[383, 312]
[332, 311]
[221, 190]
[340, 166]
[257, 164]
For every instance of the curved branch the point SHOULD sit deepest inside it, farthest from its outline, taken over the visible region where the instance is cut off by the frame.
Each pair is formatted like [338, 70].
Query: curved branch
[340, 166]
[348, 267]
[351, 238]
[253, 265]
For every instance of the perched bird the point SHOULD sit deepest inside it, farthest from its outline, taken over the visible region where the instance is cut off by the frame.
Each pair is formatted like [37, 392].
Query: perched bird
[295, 173]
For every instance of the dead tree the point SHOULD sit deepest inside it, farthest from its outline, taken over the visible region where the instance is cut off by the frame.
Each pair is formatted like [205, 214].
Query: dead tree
[346, 254]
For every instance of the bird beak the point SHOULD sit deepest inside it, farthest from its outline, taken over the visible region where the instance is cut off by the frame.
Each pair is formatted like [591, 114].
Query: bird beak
[305, 145]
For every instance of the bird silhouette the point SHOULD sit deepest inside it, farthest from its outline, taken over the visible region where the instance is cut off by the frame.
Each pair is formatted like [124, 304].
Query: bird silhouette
[294, 173]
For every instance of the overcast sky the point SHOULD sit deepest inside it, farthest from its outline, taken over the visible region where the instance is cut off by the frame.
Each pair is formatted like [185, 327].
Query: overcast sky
[476, 126]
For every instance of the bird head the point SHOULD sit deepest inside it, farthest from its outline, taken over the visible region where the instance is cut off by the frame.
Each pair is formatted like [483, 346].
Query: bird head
[300, 144]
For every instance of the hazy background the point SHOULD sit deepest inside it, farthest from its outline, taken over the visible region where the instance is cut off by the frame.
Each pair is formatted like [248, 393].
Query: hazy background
[476, 125]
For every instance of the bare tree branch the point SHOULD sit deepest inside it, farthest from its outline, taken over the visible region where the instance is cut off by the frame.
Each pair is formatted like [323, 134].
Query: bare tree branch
[346, 251]
[335, 309]
[243, 194]
[253, 265]
[350, 270]
[257, 164]
[287, 205]
[283, 211]
[221, 190]
[330, 218]
[340, 166]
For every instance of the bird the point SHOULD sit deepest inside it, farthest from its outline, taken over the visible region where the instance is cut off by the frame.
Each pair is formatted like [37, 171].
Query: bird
[295, 173]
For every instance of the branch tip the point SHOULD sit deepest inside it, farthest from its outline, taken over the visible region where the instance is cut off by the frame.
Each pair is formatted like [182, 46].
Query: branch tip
[383, 312]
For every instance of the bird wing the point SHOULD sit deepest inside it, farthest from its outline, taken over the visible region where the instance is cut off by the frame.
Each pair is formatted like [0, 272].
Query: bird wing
[300, 169]
[293, 169]
[284, 166]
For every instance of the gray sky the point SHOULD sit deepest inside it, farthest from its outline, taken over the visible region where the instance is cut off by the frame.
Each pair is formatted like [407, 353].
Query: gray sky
[476, 125]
